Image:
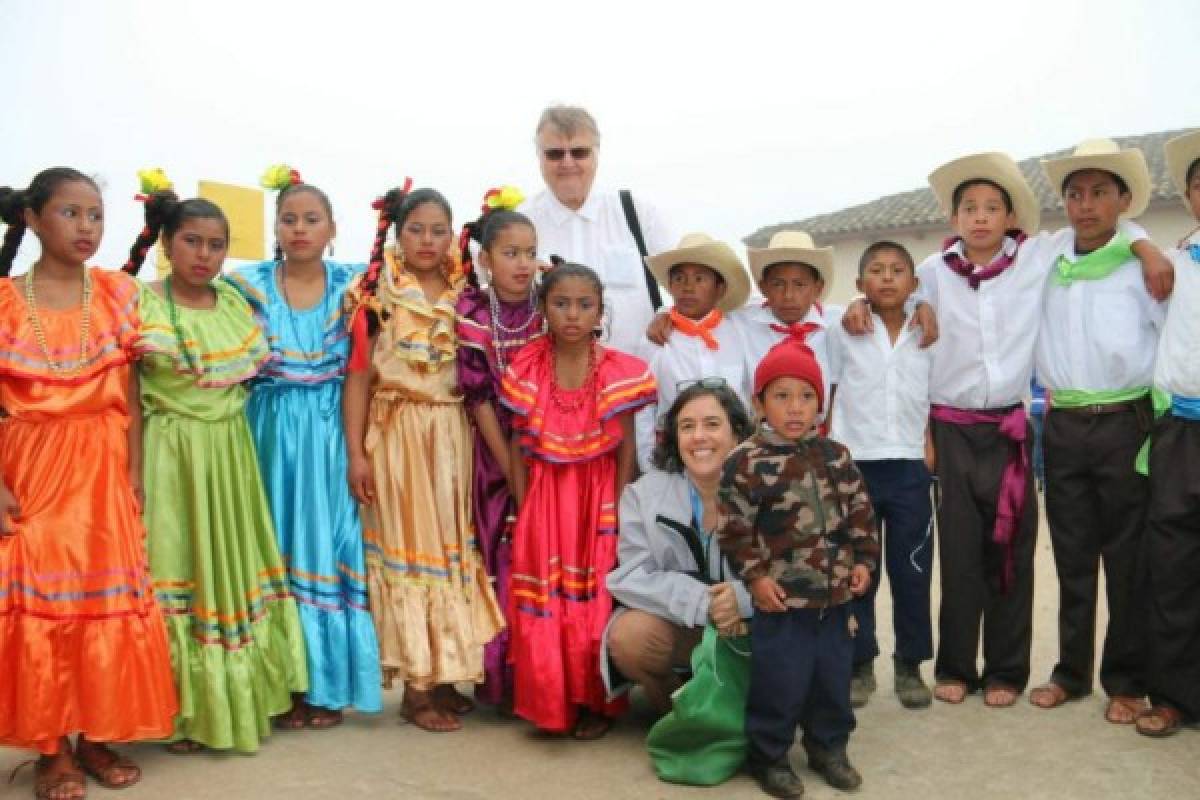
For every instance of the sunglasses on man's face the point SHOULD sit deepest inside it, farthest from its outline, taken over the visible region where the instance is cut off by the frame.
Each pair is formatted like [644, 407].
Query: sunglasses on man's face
[559, 153]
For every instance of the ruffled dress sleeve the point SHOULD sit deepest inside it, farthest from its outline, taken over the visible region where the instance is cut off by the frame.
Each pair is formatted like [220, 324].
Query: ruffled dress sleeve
[624, 384]
[476, 377]
[222, 347]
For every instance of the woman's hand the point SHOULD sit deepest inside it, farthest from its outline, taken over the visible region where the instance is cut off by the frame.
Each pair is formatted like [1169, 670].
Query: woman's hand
[10, 511]
[362, 480]
[723, 607]
[768, 595]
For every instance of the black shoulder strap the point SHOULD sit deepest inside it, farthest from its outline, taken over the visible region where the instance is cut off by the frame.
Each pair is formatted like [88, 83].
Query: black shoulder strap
[635, 227]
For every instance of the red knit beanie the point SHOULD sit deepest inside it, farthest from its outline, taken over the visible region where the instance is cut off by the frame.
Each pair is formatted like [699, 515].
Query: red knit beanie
[790, 359]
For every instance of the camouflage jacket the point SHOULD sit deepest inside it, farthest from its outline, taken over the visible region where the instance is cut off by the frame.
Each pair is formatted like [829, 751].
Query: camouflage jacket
[798, 512]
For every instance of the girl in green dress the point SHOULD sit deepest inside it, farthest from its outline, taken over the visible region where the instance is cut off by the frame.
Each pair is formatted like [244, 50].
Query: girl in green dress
[236, 643]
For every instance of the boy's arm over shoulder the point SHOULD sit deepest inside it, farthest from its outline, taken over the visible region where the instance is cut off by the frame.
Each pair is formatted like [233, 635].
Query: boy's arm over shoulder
[860, 514]
[736, 535]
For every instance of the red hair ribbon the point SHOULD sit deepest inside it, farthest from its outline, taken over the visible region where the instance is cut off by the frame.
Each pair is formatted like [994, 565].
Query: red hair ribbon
[488, 195]
[294, 177]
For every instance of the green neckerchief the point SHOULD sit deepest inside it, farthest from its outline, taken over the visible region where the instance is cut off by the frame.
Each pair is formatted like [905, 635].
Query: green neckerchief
[1076, 398]
[1096, 264]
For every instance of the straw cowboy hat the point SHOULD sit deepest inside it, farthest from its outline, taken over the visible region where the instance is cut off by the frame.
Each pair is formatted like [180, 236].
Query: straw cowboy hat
[1181, 152]
[793, 247]
[1104, 154]
[702, 249]
[998, 168]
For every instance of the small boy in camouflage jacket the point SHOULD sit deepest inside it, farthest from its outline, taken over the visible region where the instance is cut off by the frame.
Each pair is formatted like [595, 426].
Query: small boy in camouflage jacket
[797, 525]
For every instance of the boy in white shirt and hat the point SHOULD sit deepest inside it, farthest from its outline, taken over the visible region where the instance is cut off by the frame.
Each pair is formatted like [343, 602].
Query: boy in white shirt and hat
[1173, 522]
[706, 281]
[1095, 352]
[986, 288]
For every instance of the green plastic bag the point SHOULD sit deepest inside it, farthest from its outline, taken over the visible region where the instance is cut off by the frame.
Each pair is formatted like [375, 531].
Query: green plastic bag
[702, 741]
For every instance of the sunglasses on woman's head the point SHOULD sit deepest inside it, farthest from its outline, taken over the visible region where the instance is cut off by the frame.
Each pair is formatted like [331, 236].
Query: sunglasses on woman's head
[712, 382]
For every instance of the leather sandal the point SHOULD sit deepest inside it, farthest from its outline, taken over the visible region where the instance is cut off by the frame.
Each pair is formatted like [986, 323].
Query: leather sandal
[102, 763]
[49, 784]
[1159, 721]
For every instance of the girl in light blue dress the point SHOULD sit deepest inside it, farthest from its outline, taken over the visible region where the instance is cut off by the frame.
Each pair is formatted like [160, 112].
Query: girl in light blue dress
[295, 415]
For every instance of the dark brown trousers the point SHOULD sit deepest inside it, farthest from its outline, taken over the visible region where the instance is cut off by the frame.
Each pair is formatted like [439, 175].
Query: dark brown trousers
[970, 463]
[1096, 507]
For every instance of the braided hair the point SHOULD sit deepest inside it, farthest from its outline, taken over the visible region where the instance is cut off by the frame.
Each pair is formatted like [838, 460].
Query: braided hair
[165, 214]
[394, 209]
[13, 203]
[484, 231]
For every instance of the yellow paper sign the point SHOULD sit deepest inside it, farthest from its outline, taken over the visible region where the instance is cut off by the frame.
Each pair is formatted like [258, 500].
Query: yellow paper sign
[244, 208]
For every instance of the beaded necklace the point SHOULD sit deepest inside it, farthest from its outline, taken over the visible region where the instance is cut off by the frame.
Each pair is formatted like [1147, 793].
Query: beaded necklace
[496, 327]
[39, 332]
[574, 401]
[291, 312]
[174, 313]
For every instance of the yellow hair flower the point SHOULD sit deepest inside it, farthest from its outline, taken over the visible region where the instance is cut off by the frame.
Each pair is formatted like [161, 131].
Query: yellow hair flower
[154, 180]
[278, 177]
[506, 198]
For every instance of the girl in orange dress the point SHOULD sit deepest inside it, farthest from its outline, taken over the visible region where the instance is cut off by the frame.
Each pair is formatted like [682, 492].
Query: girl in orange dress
[573, 452]
[83, 647]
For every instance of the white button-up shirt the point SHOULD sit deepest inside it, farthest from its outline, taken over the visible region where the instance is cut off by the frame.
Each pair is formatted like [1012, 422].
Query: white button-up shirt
[984, 354]
[882, 404]
[1177, 369]
[687, 358]
[754, 327]
[598, 236]
[1098, 335]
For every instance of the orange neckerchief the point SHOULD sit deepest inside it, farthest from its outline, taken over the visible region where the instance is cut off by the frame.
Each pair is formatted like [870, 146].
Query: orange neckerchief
[701, 328]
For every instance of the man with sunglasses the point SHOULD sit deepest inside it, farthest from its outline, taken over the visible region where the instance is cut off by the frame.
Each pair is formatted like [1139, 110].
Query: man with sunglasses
[589, 225]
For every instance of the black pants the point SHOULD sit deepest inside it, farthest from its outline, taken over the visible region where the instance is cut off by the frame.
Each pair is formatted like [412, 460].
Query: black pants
[899, 491]
[799, 675]
[1173, 563]
[1096, 506]
[970, 463]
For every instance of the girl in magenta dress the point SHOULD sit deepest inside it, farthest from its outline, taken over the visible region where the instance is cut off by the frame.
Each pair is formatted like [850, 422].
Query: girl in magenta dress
[572, 454]
[494, 323]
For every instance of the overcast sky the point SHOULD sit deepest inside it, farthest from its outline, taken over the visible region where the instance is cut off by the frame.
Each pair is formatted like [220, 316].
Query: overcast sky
[728, 116]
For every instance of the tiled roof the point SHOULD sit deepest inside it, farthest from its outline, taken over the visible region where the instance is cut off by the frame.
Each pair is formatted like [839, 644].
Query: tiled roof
[918, 208]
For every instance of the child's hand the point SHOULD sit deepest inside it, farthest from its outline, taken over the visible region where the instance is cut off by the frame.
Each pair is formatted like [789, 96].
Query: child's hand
[10, 511]
[856, 319]
[860, 580]
[139, 490]
[1159, 274]
[924, 317]
[768, 594]
[362, 481]
[659, 328]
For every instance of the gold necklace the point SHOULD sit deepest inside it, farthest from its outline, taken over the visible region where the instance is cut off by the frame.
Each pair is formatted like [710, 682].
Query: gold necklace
[40, 333]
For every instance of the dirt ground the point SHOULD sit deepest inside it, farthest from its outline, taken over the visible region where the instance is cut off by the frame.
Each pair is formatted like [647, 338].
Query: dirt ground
[968, 751]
